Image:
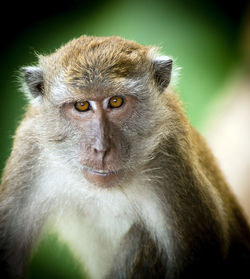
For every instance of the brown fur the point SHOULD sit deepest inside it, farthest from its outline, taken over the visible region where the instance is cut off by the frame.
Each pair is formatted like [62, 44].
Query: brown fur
[87, 58]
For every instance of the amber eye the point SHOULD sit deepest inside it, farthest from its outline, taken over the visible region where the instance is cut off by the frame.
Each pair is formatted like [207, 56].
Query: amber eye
[115, 102]
[82, 106]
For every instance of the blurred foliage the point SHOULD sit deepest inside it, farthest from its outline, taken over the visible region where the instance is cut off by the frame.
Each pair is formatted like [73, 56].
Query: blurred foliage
[199, 36]
[53, 260]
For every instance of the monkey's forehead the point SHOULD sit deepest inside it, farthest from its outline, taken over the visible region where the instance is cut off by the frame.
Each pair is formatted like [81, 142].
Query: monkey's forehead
[92, 56]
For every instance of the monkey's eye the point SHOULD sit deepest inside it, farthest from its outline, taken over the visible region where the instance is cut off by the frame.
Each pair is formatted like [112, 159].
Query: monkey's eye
[82, 106]
[115, 102]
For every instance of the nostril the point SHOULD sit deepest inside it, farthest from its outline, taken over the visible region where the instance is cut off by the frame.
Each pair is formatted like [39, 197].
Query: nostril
[96, 150]
[101, 150]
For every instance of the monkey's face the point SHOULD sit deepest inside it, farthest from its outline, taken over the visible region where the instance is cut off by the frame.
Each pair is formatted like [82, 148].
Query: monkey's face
[106, 131]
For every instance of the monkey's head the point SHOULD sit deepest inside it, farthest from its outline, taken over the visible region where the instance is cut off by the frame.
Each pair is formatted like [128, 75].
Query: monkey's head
[98, 103]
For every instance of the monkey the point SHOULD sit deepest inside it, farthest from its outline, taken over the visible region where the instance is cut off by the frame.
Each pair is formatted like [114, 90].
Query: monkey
[105, 142]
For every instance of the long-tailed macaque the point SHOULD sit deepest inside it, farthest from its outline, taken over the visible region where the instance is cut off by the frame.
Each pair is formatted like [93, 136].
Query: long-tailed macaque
[105, 142]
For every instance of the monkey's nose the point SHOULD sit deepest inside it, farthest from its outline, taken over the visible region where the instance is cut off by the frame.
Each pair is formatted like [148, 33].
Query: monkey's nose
[101, 148]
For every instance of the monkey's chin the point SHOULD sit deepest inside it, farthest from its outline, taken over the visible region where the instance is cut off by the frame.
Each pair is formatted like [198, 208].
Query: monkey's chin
[102, 178]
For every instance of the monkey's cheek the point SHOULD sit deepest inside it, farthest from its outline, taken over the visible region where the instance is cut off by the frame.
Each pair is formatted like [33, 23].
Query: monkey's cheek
[104, 180]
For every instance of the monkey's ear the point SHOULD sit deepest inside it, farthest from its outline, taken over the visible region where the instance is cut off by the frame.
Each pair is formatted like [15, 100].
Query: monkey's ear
[162, 71]
[33, 78]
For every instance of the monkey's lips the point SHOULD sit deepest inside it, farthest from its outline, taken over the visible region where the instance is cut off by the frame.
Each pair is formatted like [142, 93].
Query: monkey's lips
[103, 178]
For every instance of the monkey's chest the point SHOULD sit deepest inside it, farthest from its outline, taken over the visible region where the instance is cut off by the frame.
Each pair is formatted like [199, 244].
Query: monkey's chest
[93, 240]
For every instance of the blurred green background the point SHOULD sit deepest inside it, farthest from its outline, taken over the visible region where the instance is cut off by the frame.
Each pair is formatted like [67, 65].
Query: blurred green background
[204, 38]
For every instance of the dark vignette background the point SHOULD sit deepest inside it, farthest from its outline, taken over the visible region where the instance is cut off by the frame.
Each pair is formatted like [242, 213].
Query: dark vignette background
[43, 26]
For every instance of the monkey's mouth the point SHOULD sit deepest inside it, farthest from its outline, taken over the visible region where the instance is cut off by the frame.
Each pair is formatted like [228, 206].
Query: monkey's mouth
[103, 178]
[100, 172]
